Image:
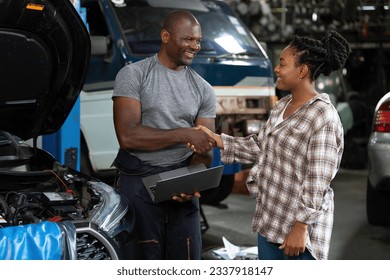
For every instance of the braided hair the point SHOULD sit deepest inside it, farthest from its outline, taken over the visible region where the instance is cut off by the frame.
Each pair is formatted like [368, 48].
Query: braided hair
[321, 56]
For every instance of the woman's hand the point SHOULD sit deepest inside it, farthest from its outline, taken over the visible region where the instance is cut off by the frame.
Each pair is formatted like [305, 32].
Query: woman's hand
[215, 136]
[295, 242]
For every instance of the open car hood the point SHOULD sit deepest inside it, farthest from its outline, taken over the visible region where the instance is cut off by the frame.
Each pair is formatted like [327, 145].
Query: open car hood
[44, 55]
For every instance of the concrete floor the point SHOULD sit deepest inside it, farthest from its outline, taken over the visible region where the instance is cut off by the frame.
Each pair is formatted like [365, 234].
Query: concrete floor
[353, 237]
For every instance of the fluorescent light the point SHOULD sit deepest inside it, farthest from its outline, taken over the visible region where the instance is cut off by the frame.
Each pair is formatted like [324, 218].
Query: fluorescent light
[366, 8]
[229, 44]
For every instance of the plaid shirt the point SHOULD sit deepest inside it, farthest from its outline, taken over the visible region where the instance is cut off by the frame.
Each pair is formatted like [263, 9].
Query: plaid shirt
[294, 163]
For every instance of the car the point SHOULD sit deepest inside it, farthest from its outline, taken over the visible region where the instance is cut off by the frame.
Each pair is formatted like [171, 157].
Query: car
[378, 181]
[44, 54]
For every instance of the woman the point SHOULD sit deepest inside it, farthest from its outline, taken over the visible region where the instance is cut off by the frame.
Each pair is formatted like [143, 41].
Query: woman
[296, 154]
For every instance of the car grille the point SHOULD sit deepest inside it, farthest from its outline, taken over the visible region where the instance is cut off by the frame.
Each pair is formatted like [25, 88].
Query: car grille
[90, 248]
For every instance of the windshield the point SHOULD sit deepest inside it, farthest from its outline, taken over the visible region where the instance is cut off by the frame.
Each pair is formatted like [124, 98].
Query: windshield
[222, 32]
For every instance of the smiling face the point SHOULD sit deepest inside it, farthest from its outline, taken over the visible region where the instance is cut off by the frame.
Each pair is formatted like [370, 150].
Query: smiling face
[181, 43]
[288, 71]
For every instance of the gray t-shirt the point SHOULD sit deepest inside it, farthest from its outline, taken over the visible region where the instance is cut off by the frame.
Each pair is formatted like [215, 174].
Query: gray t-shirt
[169, 99]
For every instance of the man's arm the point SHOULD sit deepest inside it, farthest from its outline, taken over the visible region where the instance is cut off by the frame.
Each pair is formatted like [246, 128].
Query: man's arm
[131, 134]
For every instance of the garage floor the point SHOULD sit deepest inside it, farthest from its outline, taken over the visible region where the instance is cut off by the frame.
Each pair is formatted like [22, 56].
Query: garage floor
[353, 238]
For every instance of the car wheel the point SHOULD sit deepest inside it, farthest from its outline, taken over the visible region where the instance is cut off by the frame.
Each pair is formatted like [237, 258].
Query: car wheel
[378, 206]
[85, 164]
[107, 177]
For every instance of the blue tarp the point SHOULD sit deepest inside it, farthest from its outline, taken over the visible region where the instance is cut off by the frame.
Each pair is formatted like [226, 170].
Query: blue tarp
[41, 241]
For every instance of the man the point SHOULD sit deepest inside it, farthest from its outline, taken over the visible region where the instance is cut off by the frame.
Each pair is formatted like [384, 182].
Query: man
[157, 102]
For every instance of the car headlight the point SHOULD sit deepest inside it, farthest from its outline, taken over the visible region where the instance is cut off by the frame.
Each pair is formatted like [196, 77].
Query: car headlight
[112, 208]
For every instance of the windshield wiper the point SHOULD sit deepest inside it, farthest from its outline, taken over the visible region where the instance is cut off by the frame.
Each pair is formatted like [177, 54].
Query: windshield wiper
[232, 55]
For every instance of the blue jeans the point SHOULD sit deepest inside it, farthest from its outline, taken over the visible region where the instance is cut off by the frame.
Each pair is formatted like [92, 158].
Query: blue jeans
[271, 251]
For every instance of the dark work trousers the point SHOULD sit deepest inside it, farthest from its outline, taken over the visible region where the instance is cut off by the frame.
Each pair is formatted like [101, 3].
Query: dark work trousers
[167, 230]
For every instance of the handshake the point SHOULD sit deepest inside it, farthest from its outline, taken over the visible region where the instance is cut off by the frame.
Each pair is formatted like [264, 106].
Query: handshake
[206, 141]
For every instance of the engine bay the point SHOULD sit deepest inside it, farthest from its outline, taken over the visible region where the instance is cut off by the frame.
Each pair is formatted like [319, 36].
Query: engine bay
[20, 207]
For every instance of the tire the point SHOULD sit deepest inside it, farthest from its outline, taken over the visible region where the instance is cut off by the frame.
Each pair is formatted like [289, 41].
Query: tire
[378, 206]
[86, 167]
[85, 164]
[216, 195]
[355, 153]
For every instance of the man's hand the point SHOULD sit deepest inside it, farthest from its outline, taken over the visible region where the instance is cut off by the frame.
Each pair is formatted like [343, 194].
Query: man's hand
[217, 140]
[185, 197]
[200, 141]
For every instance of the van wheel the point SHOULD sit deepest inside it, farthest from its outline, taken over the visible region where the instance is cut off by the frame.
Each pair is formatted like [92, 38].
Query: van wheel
[214, 196]
[108, 177]
[85, 164]
[378, 206]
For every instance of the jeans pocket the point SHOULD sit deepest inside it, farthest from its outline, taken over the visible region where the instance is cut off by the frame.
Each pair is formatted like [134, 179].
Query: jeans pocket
[150, 250]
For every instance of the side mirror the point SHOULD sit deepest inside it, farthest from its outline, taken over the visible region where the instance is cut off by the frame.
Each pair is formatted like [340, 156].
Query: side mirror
[99, 45]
